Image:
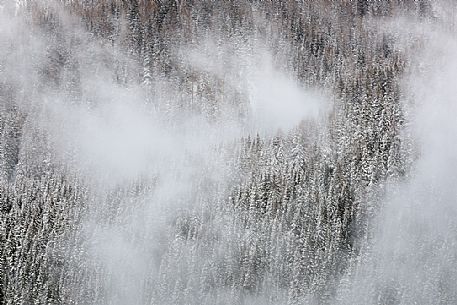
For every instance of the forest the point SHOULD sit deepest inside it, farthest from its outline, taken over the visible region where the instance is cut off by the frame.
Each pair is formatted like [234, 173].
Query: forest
[228, 152]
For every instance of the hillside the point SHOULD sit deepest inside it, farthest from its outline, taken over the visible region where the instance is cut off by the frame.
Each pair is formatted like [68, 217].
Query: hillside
[227, 152]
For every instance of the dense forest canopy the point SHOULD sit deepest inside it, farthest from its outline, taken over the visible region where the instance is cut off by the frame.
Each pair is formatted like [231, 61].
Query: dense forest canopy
[227, 152]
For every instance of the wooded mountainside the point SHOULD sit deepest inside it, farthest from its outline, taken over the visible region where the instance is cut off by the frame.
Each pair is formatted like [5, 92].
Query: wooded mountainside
[291, 213]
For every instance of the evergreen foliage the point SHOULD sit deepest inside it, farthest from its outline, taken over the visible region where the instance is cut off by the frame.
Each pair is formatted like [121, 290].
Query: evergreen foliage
[297, 211]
